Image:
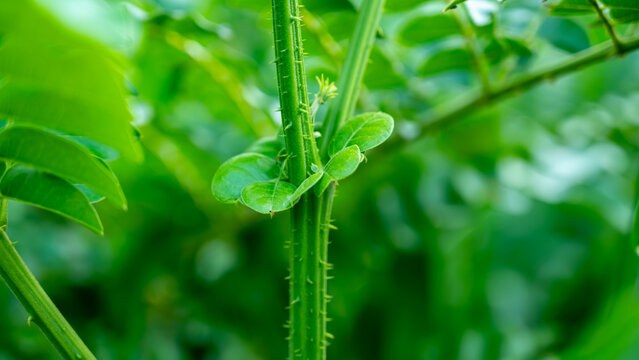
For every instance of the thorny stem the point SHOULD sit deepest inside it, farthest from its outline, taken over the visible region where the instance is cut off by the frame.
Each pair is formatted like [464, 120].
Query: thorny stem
[306, 339]
[352, 72]
[35, 300]
[342, 108]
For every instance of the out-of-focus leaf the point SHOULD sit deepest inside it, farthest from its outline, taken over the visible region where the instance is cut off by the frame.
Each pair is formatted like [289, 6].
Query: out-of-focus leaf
[453, 4]
[269, 146]
[49, 192]
[61, 157]
[240, 171]
[429, 28]
[401, 5]
[340, 166]
[273, 196]
[381, 64]
[366, 131]
[76, 83]
[623, 10]
[565, 34]
[500, 48]
[570, 7]
[447, 60]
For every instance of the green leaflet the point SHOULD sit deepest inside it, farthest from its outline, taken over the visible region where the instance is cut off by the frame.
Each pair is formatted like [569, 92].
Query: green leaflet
[447, 60]
[565, 34]
[272, 196]
[366, 131]
[60, 80]
[51, 193]
[429, 28]
[623, 10]
[240, 171]
[59, 156]
[570, 7]
[269, 146]
[343, 164]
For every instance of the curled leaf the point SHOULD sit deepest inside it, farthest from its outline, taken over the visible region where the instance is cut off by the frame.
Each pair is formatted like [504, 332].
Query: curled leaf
[366, 131]
[240, 171]
[272, 196]
[340, 166]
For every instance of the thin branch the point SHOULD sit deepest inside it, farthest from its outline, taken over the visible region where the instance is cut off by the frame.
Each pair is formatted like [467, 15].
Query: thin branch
[479, 60]
[452, 112]
[611, 31]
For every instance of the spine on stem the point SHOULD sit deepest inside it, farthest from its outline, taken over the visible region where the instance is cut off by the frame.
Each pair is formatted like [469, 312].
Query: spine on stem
[305, 338]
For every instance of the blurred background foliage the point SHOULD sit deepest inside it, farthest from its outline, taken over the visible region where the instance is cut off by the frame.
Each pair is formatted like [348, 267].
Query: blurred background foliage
[502, 236]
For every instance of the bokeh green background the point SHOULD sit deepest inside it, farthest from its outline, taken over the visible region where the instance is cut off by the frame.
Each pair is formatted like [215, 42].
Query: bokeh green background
[503, 236]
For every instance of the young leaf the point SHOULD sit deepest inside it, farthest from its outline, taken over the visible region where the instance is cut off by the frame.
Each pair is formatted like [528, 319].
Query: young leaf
[565, 34]
[272, 196]
[49, 192]
[240, 171]
[366, 131]
[343, 164]
[59, 156]
[268, 197]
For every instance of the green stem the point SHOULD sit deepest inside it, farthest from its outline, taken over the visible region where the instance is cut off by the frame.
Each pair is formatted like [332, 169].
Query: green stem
[611, 30]
[479, 60]
[285, 59]
[454, 111]
[342, 108]
[306, 339]
[41, 309]
[350, 78]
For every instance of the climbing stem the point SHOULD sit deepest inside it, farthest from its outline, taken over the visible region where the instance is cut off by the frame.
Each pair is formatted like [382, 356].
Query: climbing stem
[305, 315]
[350, 77]
[41, 309]
[349, 82]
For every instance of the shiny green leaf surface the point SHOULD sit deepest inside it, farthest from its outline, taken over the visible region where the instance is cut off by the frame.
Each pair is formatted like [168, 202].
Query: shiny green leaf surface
[269, 196]
[59, 156]
[367, 131]
[340, 166]
[49, 192]
[240, 171]
[75, 82]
